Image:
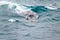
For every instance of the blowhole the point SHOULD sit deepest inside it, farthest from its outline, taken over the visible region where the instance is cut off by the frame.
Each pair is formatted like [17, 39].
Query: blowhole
[31, 16]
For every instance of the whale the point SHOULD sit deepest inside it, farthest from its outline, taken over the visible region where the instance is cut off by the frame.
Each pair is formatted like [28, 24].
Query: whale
[21, 10]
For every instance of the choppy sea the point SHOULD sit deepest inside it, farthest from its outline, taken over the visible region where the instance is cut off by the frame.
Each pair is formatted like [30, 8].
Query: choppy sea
[47, 27]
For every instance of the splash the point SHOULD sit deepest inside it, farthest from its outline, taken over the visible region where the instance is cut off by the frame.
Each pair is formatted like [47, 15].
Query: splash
[21, 10]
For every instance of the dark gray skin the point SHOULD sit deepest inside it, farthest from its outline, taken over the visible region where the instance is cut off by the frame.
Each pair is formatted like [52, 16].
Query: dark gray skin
[31, 16]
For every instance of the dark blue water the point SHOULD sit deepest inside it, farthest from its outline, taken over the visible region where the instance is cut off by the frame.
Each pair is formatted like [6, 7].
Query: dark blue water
[47, 27]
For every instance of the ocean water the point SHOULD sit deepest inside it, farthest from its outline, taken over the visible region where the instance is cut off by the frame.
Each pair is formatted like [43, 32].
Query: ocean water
[46, 28]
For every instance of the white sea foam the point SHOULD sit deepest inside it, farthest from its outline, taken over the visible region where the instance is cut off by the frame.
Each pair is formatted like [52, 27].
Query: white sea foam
[11, 4]
[12, 20]
[52, 8]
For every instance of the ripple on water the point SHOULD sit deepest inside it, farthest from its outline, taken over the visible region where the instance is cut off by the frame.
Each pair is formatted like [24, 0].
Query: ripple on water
[56, 18]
